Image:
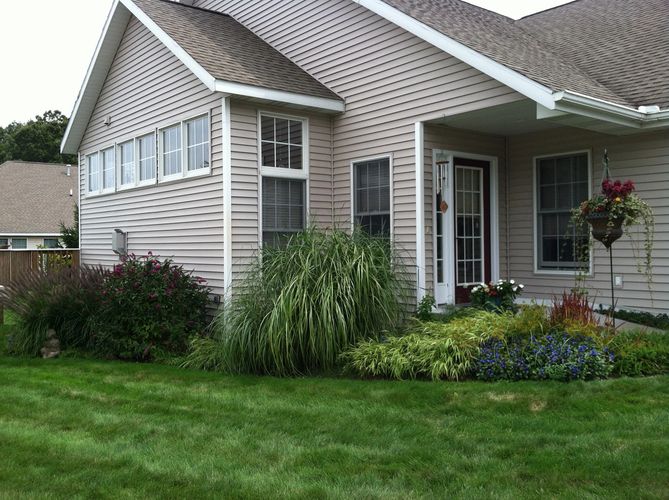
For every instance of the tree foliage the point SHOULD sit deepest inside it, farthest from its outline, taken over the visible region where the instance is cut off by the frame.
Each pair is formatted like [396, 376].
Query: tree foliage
[70, 234]
[36, 140]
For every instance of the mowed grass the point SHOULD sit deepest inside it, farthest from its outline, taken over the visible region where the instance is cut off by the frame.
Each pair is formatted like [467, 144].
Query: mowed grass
[79, 428]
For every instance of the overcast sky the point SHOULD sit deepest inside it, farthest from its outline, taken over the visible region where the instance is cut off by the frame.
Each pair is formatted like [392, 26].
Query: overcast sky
[47, 46]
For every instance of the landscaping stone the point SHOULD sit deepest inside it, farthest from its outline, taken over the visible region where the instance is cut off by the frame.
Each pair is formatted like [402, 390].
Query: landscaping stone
[51, 347]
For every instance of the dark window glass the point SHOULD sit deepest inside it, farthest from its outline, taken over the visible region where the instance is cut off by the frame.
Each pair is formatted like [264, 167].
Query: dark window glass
[281, 143]
[562, 184]
[283, 209]
[372, 196]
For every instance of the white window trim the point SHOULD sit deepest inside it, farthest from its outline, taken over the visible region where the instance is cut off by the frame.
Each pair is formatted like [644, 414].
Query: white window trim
[284, 173]
[185, 173]
[535, 222]
[389, 157]
[87, 180]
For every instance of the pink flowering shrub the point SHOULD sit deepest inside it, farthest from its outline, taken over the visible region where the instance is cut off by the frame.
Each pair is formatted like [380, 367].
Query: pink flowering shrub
[149, 307]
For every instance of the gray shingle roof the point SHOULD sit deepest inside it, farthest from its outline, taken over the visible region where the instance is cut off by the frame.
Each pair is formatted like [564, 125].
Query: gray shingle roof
[228, 51]
[624, 44]
[581, 47]
[35, 197]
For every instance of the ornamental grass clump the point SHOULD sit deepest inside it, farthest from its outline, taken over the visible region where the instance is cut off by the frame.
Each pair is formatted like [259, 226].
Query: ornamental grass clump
[64, 299]
[301, 305]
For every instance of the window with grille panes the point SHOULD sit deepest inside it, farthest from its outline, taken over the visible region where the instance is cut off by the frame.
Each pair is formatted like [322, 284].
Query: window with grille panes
[562, 184]
[372, 196]
[284, 177]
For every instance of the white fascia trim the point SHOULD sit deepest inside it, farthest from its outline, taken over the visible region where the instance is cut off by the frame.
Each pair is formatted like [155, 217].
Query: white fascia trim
[64, 144]
[420, 210]
[573, 102]
[173, 46]
[529, 88]
[30, 235]
[227, 196]
[241, 89]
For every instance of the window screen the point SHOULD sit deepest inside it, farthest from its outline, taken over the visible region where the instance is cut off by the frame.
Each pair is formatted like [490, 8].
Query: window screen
[372, 196]
[562, 184]
[93, 173]
[283, 209]
[108, 169]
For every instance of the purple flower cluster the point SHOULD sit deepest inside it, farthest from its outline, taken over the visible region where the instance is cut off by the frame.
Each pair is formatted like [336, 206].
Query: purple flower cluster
[554, 356]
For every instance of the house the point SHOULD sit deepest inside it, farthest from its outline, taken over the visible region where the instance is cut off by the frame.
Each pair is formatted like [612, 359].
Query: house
[34, 199]
[208, 128]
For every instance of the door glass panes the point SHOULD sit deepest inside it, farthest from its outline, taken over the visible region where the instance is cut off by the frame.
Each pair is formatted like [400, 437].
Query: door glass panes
[469, 225]
[372, 196]
[171, 138]
[439, 221]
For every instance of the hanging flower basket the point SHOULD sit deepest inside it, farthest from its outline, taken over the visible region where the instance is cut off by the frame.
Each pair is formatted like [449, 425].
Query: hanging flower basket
[606, 228]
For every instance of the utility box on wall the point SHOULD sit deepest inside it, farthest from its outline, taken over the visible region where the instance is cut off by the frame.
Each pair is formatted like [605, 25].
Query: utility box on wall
[119, 242]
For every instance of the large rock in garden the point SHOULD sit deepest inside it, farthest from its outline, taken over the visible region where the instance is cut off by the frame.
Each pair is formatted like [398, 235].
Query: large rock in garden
[51, 347]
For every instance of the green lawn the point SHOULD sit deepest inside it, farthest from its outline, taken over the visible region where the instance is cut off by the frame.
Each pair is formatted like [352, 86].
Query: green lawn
[84, 428]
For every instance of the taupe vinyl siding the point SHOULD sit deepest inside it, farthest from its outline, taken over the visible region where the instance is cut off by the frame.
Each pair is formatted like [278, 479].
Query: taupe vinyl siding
[462, 141]
[246, 217]
[642, 158]
[148, 87]
[389, 78]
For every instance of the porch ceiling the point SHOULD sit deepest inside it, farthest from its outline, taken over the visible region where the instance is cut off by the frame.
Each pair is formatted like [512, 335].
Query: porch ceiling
[519, 117]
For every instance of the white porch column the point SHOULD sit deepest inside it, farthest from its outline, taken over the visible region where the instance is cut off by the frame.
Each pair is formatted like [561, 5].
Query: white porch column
[420, 210]
[227, 196]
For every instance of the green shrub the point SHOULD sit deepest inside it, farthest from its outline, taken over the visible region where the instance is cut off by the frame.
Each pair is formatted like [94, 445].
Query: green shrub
[148, 307]
[425, 307]
[640, 353]
[301, 305]
[64, 299]
[439, 350]
[660, 321]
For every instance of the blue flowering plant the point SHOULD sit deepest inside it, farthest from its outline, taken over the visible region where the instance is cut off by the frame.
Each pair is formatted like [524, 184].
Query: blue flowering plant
[555, 356]
[500, 295]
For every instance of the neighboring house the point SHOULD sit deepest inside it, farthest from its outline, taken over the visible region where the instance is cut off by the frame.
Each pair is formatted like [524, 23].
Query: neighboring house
[207, 131]
[34, 199]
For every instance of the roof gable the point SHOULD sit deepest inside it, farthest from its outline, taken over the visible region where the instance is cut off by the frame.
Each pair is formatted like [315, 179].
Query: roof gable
[223, 54]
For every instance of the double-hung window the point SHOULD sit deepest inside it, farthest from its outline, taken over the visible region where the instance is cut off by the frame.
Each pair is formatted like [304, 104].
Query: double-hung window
[371, 186]
[284, 171]
[562, 183]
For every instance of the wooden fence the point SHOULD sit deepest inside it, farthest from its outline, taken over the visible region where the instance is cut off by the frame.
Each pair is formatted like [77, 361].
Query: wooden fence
[15, 262]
